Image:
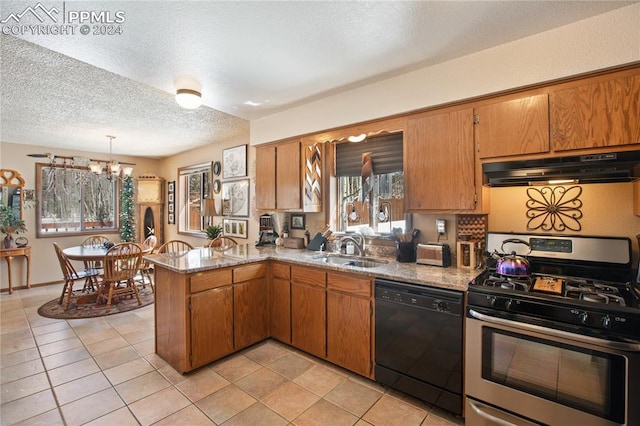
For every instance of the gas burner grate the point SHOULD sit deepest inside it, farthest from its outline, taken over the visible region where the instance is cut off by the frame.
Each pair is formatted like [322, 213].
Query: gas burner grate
[508, 283]
[594, 292]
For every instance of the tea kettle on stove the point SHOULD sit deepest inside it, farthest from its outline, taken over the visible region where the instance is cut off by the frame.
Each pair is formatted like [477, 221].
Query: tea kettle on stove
[512, 265]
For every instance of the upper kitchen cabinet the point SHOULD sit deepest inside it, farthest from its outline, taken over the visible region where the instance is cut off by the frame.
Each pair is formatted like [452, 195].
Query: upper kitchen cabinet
[278, 176]
[513, 127]
[439, 162]
[602, 113]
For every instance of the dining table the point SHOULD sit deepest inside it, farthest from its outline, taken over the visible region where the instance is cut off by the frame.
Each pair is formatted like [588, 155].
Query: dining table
[88, 255]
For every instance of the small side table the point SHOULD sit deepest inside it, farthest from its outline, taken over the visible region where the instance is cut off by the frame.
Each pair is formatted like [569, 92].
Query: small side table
[9, 254]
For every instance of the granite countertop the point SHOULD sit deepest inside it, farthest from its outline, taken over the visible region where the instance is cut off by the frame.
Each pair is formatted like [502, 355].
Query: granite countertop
[202, 259]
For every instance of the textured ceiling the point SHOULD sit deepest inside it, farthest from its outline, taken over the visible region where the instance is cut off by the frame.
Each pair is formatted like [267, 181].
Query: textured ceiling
[71, 90]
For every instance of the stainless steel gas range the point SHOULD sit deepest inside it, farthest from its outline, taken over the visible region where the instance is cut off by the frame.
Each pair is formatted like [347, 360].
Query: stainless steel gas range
[558, 341]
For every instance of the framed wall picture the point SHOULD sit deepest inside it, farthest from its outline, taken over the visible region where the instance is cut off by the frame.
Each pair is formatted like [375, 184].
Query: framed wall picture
[297, 221]
[235, 227]
[171, 191]
[234, 162]
[235, 198]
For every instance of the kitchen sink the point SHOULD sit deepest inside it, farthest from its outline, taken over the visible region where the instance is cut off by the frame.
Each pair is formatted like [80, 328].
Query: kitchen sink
[346, 260]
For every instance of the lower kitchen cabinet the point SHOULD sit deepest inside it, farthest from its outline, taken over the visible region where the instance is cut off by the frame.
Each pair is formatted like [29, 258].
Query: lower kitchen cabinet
[250, 312]
[308, 310]
[211, 328]
[349, 323]
[280, 302]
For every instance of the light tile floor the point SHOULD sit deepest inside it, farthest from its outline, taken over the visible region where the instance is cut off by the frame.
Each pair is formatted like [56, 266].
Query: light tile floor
[103, 371]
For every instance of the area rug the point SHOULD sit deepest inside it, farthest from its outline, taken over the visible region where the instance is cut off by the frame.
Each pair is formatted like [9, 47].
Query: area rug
[83, 305]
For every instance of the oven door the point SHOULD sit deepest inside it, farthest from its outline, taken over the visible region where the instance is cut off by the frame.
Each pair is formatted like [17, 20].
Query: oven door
[550, 376]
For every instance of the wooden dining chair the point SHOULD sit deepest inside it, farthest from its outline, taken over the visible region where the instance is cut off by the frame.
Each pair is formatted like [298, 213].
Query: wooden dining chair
[175, 246]
[221, 243]
[93, 241]
[70, 275]
[148, 247]
[121, 264]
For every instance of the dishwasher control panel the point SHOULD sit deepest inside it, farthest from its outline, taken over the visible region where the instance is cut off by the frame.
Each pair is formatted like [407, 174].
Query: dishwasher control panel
[433, 299]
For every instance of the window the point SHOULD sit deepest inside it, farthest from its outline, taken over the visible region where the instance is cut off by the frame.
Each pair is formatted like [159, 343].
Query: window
[383, 210]
[71, 200]
[193, 187]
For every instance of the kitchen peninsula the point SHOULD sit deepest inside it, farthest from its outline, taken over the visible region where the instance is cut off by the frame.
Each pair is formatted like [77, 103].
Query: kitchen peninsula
[210, 304]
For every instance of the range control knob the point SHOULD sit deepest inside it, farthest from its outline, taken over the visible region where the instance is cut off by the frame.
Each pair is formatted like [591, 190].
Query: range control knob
[493, 301]
[441, 306]
[508, 304]
[606, 321]
[584, 317]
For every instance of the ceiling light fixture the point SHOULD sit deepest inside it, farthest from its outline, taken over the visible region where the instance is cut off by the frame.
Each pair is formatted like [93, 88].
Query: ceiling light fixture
[189, 99]
[112, 167]
[358, 138]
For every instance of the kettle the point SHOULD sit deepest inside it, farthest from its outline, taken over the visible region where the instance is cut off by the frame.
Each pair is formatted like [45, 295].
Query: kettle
[512, 265]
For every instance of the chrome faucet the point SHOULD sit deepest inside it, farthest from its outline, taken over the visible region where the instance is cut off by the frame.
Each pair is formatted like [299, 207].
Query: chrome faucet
[359, 242]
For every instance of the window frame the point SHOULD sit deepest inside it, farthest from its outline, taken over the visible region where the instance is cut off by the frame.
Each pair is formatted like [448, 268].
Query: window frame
[182, 207]
[84, 231]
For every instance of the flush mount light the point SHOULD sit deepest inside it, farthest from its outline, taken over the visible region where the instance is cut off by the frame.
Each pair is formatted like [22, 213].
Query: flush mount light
[189, 99]
[358, 138]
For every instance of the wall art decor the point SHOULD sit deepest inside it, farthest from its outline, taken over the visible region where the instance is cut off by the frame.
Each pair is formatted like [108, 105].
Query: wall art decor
[313, 178]
[171, 191]
[554, 209]
[235, 227]
[235, 198]
[297, 221]
[234, 162]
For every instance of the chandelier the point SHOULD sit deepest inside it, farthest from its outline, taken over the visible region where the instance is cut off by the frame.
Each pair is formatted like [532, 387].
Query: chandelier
[112, 167]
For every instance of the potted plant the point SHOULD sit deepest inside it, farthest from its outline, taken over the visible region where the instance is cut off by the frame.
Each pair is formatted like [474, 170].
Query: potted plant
[213, 231]
[10, 223]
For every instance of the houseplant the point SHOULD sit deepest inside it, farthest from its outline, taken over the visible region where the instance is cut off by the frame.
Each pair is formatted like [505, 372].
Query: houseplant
[213, 231]
[10, 223]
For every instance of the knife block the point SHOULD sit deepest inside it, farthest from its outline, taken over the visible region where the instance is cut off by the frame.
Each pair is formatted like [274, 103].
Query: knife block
[466, 254]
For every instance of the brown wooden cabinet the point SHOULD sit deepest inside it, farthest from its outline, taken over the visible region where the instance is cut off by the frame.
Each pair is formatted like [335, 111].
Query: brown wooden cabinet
[349, 322]
[278, 176]
[211, 329]
[513, 127]
[439, 161]
[599, 114]
[250, 305]
[280, 302]
[308, 310]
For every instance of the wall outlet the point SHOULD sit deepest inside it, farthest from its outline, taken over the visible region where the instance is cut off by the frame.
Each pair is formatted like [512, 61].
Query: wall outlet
[441, 226]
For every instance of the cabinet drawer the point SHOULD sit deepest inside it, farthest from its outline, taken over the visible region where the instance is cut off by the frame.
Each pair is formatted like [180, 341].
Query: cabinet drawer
[206, 280]
[249, 272]
[349, 284]
[309, 276]
[280, 270]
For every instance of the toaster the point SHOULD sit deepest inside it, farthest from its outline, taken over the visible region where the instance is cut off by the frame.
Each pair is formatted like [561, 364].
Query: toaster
[434, 254]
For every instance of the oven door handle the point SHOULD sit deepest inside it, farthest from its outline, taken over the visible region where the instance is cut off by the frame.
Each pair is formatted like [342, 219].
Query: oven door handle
[482, 410]
[609, 344]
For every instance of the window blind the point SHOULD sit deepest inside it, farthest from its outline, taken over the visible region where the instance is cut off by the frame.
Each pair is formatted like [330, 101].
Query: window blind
[386, 154]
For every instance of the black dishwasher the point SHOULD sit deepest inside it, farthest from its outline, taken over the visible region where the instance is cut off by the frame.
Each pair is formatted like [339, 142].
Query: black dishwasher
[419, 342]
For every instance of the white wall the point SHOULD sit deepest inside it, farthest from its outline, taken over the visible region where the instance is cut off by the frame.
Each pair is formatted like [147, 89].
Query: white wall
[600, 42]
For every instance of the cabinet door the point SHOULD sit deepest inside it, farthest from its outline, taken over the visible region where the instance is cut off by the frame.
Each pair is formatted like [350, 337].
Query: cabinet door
[281, 309]
[519, 126]
[251, 312]
[211, 329]
[266, 177]
[349, 332]
[289, 182]
[308, 318]
[601, 114]
[439, 160]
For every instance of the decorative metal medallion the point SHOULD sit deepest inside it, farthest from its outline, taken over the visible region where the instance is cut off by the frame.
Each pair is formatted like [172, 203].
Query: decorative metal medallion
[554, 208]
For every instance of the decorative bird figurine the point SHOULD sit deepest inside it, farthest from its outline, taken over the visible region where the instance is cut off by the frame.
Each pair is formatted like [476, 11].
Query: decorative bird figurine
[367, 175]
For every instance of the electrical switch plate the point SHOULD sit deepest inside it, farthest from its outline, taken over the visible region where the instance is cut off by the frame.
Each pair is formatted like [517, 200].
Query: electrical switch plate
[440, 226]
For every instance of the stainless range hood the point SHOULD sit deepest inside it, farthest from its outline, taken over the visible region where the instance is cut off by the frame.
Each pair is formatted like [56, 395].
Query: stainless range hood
[592, 168]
